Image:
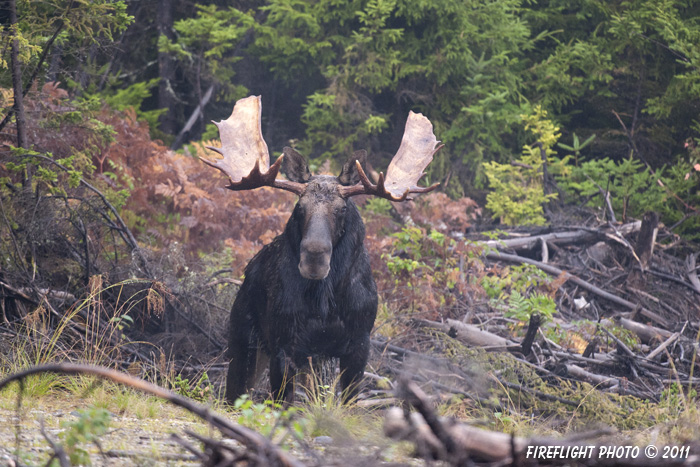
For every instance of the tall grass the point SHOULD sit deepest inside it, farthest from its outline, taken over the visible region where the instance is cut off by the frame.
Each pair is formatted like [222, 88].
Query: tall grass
[89, 331]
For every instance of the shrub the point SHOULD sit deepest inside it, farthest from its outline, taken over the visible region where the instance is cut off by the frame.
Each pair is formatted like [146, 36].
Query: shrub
[518, 195]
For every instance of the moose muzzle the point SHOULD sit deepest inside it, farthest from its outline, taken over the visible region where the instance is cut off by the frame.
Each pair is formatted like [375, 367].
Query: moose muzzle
[315, 259]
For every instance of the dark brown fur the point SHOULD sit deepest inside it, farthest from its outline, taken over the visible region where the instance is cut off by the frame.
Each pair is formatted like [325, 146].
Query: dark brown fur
[309, 293]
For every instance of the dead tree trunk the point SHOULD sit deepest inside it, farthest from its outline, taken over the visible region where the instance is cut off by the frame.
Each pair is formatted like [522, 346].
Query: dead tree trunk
[17, 79]
[166, 69]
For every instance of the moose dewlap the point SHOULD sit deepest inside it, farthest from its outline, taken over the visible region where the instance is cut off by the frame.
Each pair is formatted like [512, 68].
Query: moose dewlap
[309, 293]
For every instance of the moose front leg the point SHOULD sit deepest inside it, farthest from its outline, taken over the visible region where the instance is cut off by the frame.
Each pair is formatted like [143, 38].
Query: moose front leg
[352, 368]
[243, 353]
[282, 378]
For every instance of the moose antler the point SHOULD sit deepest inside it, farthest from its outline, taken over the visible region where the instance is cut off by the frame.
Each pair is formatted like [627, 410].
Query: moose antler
[418, 146]
[246, 159]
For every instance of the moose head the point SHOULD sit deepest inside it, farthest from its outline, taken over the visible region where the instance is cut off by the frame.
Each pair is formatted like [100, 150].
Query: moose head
[323, 200]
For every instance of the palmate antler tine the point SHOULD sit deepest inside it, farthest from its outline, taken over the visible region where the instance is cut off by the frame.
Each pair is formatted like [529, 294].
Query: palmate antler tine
[246, 159]
[242, 144]
[418, 146]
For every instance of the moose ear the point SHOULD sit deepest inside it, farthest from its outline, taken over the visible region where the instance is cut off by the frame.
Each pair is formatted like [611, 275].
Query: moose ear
[349, 176]
[294, 165]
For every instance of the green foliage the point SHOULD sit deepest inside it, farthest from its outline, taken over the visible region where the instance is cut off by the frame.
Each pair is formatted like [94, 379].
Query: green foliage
[634, 189]
[199, 390]
[520, 279]
[473, 54]
[353, 69]
[416, 255]
[672, 23]
[677, 399]
[205, 48]
[517, 195]
[268, 417]
[88, 428]
[519, 292]
[522, 308]
[379, 206]
[133, 96]
[681, 183]
[577, 146]
[572, 72]
[632, 186]
[406, 258]
[627, 337]
[81, 23]
[504, 423]
[408, 241]
[456, 62]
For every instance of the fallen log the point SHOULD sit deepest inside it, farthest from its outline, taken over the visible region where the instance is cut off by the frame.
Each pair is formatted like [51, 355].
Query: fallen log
[559, 238]
[661, 348]
[645, 332]
[462, 444]
[579, 373]
[469, 334]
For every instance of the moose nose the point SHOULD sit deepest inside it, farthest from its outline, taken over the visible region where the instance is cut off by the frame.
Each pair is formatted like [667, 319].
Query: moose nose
[316, 248]
[315, 261]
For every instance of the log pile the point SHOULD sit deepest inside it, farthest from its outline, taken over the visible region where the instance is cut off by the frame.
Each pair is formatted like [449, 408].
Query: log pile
[611, 276]
[461, 444]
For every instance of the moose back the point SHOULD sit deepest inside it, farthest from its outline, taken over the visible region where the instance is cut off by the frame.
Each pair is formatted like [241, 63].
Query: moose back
[309, 293]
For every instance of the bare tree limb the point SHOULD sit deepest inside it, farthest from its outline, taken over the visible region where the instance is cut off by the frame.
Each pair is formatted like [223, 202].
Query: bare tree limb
[193, 118]
[581, 283]
[268, 453]
[130, 239]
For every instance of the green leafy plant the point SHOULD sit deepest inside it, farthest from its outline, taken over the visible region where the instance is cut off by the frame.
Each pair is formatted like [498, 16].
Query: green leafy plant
[503, 421]
[268, 417]
[87, 429]
[377, 206]
[517, 193]
[678, 400]
[200, 390]
[415, 252]
[519, 278]
[577, 146]
[520, 292]
[406, 258]
[133, 96]
[522, 308]
[632, 187]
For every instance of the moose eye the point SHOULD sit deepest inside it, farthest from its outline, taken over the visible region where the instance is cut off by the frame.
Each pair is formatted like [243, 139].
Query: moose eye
[342, 210]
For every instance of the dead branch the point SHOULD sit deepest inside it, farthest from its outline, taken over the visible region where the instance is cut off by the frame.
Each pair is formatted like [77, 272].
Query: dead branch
[691, 269]
[579, 373]
[58, 451]
[571, 237]
[469, 334]
[672, 278]
[606, 197]
[674, 337]
[470, 444]
[581, 283]
[118, 453]
[130, 240]
[538, 394]
[268, 453]
[645, 332]
[545, 250]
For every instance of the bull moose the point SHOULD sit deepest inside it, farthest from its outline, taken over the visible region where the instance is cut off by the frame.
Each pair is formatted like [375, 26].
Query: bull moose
[310, 292]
